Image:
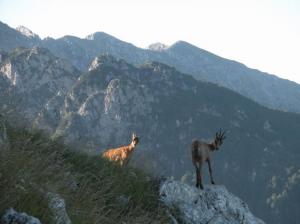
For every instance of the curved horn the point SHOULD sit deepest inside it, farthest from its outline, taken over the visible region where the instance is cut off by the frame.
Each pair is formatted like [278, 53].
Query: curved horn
[217, 135]
[223, 135]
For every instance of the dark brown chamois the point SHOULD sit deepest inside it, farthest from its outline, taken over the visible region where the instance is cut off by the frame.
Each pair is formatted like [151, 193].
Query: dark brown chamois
[201, 153]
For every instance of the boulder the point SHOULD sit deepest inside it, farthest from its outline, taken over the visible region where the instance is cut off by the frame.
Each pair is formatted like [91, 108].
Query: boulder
[13, 217]
[214, 205]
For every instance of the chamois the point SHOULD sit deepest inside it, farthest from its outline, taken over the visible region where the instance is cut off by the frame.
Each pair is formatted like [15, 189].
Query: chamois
[201, 154]
[122, 154]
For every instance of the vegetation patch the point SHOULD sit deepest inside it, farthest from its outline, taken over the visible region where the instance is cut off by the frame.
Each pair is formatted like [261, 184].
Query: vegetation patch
[94, 190]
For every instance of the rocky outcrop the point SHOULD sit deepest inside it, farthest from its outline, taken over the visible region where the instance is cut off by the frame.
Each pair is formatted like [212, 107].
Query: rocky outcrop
[158, 47]
[214, 205]
[13, 217]
[58, 207]
[28, 33]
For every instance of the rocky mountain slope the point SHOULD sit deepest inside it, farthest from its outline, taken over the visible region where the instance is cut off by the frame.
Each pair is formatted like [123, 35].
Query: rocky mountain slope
[35, 76]
[263, 88]
[11, 38]
[100, 108]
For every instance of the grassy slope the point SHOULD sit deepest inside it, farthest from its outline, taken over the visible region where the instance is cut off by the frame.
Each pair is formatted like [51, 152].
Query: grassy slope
[95, 190]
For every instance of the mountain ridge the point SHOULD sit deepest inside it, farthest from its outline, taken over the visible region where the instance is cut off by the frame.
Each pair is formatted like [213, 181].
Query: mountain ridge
[264, 88]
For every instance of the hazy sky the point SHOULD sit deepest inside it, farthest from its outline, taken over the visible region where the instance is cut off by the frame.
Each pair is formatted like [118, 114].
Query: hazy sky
[263, 34]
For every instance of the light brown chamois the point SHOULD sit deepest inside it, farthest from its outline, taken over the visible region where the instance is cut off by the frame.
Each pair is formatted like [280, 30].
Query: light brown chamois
[201, 153]
[122, 154]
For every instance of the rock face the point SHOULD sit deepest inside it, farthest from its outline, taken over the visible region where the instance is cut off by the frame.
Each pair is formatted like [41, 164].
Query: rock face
[37, 76]
[98, 105]
[13, 217]
[214, 205]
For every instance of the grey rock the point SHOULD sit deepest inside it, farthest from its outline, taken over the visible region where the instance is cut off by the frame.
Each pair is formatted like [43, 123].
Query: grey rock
[124, 200]
[13, 217]
[214, 205]
[58, 208]
[157, 47]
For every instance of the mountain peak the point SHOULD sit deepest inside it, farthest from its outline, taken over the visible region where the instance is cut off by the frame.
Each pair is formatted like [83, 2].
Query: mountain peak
[181, 43]
[157, 46]
[98, 35]
[27, 32]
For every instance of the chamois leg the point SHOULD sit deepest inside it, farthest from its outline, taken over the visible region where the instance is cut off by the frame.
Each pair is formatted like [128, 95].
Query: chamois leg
[210, 172]
[125, 162]
[198, 174]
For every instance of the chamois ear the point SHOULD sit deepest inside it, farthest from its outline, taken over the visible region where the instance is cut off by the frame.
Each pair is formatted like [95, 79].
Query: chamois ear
[135, 139]
[133, 135]
[217, 135]
[222, 136]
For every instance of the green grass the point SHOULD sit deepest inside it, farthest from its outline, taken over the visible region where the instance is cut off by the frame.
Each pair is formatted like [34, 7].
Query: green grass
[95, 190]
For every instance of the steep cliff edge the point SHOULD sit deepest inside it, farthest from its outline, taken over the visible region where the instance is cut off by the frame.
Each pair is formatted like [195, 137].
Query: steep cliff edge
[214, 205]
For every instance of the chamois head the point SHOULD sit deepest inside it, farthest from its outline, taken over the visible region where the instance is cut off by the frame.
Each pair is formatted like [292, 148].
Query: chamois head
[134, 140]
[220, 136]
